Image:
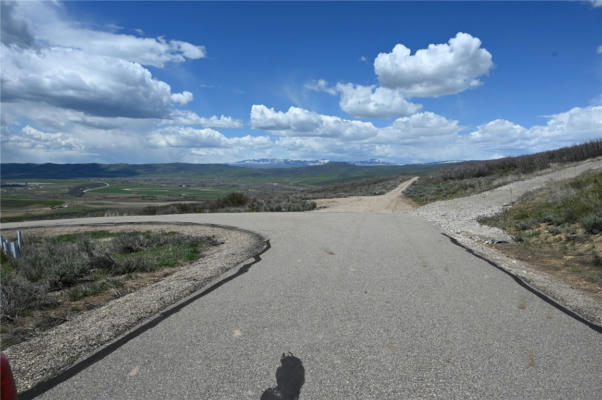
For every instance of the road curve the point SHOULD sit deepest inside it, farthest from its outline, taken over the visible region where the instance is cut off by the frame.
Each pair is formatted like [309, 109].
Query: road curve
[376, 306]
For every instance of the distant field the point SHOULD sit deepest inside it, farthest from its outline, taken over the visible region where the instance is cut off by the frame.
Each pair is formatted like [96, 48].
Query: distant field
[23, 203]
[96, 189]
[146, 189]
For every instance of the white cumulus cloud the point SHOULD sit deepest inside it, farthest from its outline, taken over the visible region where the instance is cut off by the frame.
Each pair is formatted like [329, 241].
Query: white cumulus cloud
[48, 58]
[55, 140]
[187, 137]
[70, 78]
[577, 125]
[437, 70]
[372, 101]
[51, 26]
[182, 98]
[300, 122]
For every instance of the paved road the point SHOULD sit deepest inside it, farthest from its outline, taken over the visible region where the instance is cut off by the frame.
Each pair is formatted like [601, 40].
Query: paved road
[376, 306]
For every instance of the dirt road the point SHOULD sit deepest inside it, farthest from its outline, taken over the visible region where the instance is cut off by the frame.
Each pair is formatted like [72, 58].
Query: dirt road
[389, 202]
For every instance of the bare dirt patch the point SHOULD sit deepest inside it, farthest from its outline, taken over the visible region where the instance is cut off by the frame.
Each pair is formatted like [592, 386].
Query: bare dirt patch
[568, 265]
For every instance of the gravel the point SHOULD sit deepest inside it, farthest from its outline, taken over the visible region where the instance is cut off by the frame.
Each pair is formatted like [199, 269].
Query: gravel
[458, 218]
[52, 351]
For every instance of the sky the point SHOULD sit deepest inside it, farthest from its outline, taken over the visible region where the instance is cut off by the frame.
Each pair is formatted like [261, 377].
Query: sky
[200, 82]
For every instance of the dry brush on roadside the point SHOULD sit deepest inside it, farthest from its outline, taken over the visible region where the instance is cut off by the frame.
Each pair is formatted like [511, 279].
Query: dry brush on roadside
[70, 267]
[472, 177]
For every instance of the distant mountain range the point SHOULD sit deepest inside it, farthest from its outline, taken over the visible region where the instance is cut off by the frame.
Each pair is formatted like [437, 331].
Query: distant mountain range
[277, 163]
[256, 169]
[287, 163]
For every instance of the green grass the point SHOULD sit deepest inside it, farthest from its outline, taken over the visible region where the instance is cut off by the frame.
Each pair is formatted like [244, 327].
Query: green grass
[160, 191]
[72, 237]
[159, 257]
[69, 212]
[7, 263]
[576, 201]
[16, 203]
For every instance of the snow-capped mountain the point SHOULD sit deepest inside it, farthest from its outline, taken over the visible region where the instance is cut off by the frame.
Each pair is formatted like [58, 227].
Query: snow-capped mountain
[371, 162]
[277, 163]
[287, 163]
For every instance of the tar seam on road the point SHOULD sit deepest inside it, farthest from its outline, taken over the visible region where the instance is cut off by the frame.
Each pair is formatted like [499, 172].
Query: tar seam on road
[530, 288]
[46, 385]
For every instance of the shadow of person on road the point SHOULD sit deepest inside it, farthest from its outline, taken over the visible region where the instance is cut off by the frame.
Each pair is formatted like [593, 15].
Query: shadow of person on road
[290, 376]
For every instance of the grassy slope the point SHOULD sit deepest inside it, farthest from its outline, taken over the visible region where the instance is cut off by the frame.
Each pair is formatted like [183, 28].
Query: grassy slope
[558, 227]
[471, 177]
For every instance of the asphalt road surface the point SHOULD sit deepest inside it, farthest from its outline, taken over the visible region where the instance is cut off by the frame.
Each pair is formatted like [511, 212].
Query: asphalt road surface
[375, 306]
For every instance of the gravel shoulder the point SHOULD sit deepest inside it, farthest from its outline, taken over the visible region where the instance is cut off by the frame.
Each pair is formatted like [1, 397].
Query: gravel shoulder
[458, 218]
[46, 355]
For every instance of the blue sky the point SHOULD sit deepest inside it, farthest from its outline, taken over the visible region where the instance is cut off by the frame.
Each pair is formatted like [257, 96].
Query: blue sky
[220, 82]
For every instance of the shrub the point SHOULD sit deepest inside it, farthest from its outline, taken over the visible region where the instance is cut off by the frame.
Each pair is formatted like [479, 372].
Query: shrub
[88, 289]
[59, 264]
[18, 294]
[235, 199]
[592, 223]
[552, 218]
[132, 263]
[131, 242]
[524, 225]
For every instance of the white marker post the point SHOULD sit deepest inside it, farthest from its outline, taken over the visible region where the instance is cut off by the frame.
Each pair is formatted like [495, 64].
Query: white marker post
[13, 249]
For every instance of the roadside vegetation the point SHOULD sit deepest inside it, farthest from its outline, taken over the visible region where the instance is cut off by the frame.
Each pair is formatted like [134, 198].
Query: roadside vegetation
[471, 177]
[61, 274]
[558, 228]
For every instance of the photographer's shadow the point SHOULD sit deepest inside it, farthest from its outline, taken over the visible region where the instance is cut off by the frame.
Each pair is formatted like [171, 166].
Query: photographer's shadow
[290, 376]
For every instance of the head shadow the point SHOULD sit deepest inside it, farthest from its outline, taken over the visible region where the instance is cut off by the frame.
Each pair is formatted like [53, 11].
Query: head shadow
[290, 376]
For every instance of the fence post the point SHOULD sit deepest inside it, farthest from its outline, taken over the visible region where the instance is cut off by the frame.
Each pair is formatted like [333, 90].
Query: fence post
[13, 249]
[20, 240]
